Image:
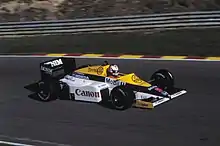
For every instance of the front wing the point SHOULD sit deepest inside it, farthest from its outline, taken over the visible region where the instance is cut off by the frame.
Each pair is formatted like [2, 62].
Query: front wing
[151, 103]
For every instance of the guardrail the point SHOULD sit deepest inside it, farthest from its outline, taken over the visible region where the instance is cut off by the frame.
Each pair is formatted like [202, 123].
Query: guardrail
[119, 23]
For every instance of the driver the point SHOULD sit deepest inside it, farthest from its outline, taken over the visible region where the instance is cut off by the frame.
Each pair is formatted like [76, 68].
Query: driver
[113, 71]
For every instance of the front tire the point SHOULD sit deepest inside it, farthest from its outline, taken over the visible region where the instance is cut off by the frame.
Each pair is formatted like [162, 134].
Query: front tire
[163, 79]
[121, 98]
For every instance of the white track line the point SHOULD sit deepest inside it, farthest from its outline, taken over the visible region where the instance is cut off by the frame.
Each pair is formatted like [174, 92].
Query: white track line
[14, 144]
[115, 58]
[29, 140]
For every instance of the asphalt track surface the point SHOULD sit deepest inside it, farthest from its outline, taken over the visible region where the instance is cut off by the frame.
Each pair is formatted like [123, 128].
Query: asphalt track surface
[192, 119]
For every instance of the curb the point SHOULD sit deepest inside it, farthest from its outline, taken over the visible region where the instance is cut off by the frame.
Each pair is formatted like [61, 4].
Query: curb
[114, 56]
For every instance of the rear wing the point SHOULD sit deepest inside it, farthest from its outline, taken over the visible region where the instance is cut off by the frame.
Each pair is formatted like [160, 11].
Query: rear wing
[57, 68]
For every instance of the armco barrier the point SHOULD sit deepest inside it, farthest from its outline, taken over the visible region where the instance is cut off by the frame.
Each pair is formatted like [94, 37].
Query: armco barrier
[119, 23]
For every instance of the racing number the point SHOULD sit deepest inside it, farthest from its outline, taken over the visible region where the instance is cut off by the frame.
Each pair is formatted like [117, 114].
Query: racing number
[55, 62]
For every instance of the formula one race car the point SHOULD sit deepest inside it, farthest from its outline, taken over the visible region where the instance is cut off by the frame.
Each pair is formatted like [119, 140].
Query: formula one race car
[61, 79]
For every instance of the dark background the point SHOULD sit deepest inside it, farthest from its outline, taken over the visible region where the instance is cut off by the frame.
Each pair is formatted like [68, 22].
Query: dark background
[202, 42]
[27, 10]
[197, 42]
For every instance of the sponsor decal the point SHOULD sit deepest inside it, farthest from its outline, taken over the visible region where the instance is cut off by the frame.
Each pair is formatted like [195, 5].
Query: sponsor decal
[136, 79]
[86, 93]
[100, 70]
[68, 77]
[164, 93]
[81, 76]
[144, 97]
[158, 89]
[161, 91]
[159, 101]
[102, 85]
[178, 93]
[47, 70]
[97, 70]
[54, 62]
[92, 69]
[114, 82]
[142, 104]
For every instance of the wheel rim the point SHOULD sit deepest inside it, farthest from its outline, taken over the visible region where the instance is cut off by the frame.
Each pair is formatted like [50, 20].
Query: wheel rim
[44, 96]
[118, 100]
[44, 93]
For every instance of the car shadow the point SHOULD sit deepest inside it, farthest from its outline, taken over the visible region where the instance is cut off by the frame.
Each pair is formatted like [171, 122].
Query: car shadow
[35, 97]
[106, 105]
[32, 87]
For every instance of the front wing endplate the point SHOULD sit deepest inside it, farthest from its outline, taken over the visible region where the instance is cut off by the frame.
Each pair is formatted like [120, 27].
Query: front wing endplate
[152, 104]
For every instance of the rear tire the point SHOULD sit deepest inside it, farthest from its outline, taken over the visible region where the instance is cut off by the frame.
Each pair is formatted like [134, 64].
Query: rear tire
[49, 90]
[121, 98]
[163, 79]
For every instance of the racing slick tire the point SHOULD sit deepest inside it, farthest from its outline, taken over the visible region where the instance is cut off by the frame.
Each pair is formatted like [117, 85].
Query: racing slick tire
[48, 90]
[163, 79]
[121, 98]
